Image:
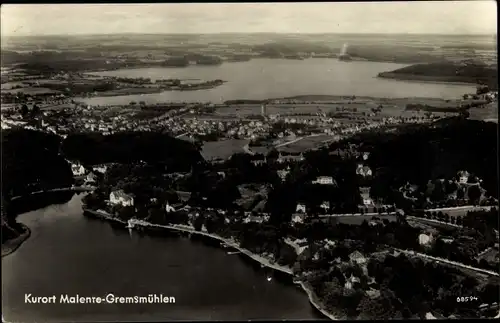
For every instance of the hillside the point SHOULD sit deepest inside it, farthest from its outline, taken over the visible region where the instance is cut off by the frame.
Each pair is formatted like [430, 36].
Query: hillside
[420, 153]
[126, 147]
[31, 162]
[447, 72]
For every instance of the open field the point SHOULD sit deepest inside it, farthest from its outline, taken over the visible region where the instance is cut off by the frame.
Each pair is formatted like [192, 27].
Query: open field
[131, 91]
[358, 219]
[56, 106]
[223, 148]
[32, 90]
[427, 224]
[390, 107]
[10, 85]
[305, 143]
[489, 113]
[208, 117]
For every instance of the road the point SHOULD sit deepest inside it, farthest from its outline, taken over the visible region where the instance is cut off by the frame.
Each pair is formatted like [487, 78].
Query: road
[449, 262]
[297, 139]
[289, 142]
[460, 210]
[246, 148]
[182, 134]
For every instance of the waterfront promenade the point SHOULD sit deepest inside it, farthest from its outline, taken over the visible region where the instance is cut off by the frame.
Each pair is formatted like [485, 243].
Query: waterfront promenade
[229, 242]
[233, 244]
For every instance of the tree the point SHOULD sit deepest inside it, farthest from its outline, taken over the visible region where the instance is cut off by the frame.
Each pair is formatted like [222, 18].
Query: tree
[474, 193]
[24, 110]
[438, 193]
[198, 223]
[35, 110]
[489, 294]
[465, 114]
[406, 313]
[484, 264]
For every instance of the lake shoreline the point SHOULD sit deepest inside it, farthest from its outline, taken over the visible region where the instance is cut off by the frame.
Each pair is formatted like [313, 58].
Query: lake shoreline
[424, 78]
[264, 262]
[259, 84]
[9, 246]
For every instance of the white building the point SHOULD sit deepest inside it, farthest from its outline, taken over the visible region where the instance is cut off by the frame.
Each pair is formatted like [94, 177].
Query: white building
[424, 239]
[252, 218]
[357, 257]
[283, 174]
[77, 170]
[100, 169]
[325, 206]
[300, 208]
[324, 180]
[120, 197]
[91, 178]
[298, 218]
[365, 196]
[351, 281]
[463, 177]
[363, 170]
[169, 208]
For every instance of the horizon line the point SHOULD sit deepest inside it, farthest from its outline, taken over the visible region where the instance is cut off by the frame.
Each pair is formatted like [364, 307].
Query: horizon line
[249, 33]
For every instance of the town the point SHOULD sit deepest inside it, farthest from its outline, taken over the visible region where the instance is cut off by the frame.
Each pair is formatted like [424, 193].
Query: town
[203, 166]
[335, 194]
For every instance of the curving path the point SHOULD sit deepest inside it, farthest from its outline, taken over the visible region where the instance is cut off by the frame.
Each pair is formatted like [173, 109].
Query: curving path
[449, 262]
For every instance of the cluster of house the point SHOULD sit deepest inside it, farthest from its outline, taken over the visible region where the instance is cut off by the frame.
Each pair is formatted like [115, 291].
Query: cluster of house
[490, 96]
[116, 123]
[231, 128]
[463, 180]
[363, 170]
[119, 197]
[251, 130]
[355, 258]
[89, 175]
[9, 123]
[290, 156]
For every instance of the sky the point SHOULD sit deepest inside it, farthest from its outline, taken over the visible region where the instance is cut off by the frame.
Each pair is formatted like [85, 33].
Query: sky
[423, 17]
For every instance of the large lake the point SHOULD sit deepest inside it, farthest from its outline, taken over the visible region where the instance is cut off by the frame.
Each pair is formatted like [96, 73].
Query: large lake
[69, 253]
[276, 78]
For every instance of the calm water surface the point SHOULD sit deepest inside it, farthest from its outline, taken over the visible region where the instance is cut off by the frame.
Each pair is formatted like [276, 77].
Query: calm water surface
[68, 253]
[275, 78]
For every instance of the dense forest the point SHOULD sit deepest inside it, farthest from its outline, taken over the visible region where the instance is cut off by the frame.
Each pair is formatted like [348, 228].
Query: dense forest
[129, 147]
[420, 153]
[31, 162]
